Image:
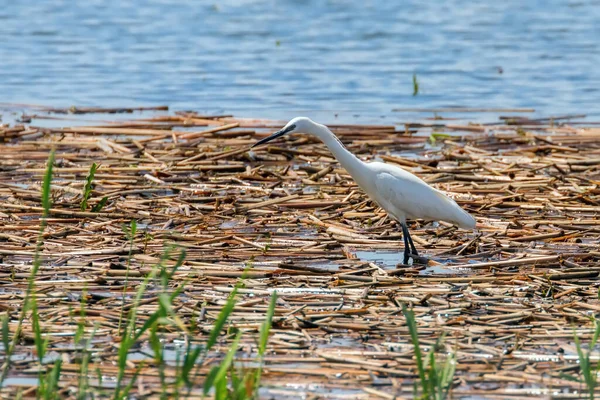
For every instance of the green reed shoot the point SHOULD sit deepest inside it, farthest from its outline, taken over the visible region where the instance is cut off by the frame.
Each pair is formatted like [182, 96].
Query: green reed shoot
[46, 205]
[82, 392]
[87, 188]
[129, 336]
[189, 361]
[159, 358]
[263, 339]
[166, 316]
[81, 323]
[217, 377]
[588, 370]
[130, 233]
[41, 345]
[125, 393]
[200, 353]
[221, 319]
[435, 136]
[415, 83]
[5, 331]
[435, 383]
[48, 388]
[100, 205]
[242, 386]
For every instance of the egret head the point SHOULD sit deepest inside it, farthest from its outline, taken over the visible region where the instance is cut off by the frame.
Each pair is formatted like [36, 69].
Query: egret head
[298, 124]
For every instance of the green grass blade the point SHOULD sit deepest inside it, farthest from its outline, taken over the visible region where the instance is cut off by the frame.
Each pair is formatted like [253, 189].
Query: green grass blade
[125, 394]
[136, 301]
[235, 380]
[596, 334]
[131, 235]
[415, 85]
[189, 360]
[157, 348]
[584, 364]
[447, 377]
[244, 387]
[129, 337]
[432, 375]
[228, 360]
[40, 346]
[266, 326]
[52, 380]
[81, 323]
[5, 331]
[132, 230]
[178, 376]
[147, 325]
[568, 377]
[221, 390]
[100, 205]
[124, 347]
[87, 188]
[31, 301]
[155, 344]
[178, 263]
[414, 336]
[46, 201]
[177, 291]
[82, 392]
[263, 339]
[221, 319]
[210, 380]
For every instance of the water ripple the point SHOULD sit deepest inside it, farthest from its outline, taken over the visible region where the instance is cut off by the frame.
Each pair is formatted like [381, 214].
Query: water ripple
[272, 58]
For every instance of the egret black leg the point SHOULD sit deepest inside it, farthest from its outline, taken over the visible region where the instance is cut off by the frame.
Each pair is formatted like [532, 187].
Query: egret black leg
[413, 249]
[409, 246]
[405, 237]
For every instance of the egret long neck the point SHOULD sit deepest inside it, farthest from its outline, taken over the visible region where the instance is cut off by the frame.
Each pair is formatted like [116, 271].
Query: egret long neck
[349, 161]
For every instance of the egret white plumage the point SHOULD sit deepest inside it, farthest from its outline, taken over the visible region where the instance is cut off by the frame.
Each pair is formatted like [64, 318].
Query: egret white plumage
[401, 194]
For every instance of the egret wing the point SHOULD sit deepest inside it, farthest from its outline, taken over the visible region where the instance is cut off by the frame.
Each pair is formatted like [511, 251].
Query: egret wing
[413, 198]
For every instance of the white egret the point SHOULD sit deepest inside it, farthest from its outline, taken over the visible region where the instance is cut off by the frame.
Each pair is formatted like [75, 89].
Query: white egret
[400, 193]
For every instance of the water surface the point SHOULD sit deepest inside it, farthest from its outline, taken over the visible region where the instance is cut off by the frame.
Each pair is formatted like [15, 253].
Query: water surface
[334, 60]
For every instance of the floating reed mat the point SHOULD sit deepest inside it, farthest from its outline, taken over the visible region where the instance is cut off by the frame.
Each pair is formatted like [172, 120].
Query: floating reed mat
[505, 300]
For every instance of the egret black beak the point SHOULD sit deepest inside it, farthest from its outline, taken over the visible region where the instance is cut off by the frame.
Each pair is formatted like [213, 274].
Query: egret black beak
[275, 135]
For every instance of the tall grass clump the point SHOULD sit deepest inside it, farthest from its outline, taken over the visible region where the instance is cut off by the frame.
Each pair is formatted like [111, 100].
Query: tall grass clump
[223, 380]
[434, 380]
[30, 303]
[131, 334]
[241, 385]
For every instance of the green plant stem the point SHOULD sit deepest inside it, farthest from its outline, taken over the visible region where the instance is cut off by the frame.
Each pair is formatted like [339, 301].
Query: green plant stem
[132, 232]
[46, 204]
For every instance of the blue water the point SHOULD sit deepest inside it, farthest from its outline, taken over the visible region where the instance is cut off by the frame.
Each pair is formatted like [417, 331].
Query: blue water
[353, 59]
